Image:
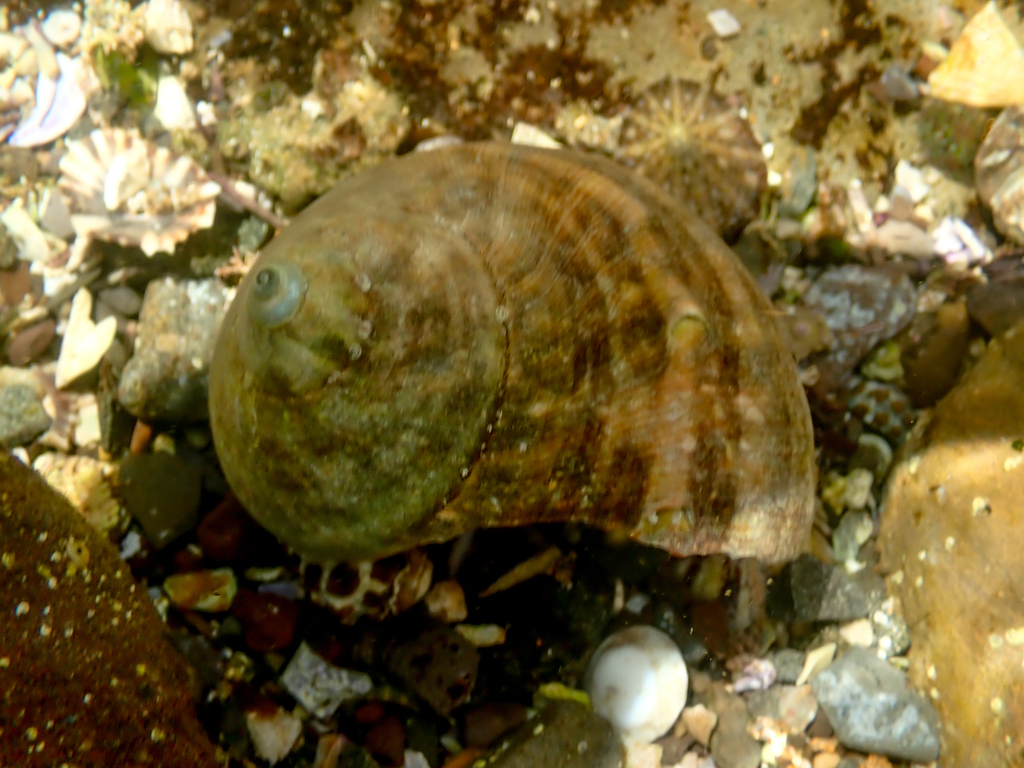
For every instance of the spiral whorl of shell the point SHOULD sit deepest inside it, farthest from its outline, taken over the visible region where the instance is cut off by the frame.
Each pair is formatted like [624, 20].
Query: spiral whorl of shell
[492, 335]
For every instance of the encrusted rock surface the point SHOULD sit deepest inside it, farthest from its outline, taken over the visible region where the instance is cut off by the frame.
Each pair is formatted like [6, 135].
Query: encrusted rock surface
[87, 677]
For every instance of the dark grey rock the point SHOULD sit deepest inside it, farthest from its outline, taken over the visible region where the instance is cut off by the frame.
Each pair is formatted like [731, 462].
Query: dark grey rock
[798, 194]
[166, 379]
[862, 305]
[899, 85]
[572, 736]
[809, 590]
[22, 418]
[439, 665]
[122, 299]
[997, 305]
[732, 746]
[789, 663]
[872, 709]
[791, 705]
[161, 491]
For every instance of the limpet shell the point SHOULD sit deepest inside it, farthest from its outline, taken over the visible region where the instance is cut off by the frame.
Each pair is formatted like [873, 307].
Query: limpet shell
[491, 335]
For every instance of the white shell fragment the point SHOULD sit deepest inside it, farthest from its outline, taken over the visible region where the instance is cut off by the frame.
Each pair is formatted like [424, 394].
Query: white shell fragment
[168, 26]
[273, 736]
[985, 66]
[46, 89]
[126, 190]
[956, 242]
[321, 687]
[724, 23]
[638, 682]
[912, 180]
[530, 135]
[59, 104]
[173, 108]
[85, 342]
[29, 238]
[815, 661]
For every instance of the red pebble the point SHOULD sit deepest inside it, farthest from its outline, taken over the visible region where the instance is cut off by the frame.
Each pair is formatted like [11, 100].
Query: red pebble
[229, 536]
[386, 740]
[370, 713]
[28, 344]
[187, 559]
[269, 620]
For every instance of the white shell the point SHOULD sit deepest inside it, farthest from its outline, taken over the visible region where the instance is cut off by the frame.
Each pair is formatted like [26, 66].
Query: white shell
[638, 682]
[985, 66]
[168, 26]
[126, 190]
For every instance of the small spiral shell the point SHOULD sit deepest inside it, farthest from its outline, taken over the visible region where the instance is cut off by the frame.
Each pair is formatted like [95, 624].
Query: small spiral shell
[493, 335]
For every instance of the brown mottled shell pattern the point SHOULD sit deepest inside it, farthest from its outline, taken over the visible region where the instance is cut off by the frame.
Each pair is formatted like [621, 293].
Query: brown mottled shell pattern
[494, 335]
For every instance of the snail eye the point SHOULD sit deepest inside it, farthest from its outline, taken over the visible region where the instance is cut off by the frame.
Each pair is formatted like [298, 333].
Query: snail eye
[276, 294]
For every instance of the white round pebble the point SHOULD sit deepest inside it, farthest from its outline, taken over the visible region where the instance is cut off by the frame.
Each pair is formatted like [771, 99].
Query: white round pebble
[638, 682]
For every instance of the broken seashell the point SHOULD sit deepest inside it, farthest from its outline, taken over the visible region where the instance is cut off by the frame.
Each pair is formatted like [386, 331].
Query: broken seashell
[43, 50]
[88, 484]
[46, 89]
[85, 342]
[126, 190]
[31, 241]
[59, 104]
[985, 66]
[173, 107]
[168, 26]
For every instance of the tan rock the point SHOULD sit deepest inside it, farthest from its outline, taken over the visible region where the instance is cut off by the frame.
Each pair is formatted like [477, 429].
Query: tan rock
[446, 601]
[952, 539]
[701, 722]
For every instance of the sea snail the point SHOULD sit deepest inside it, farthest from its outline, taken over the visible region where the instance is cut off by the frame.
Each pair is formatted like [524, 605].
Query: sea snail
[493, 335]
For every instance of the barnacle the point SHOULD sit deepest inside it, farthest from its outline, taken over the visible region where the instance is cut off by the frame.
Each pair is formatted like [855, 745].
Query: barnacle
[686, 138]
[122, 188]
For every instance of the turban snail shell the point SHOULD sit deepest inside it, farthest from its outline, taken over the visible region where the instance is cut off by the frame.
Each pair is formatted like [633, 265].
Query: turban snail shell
[495, 335]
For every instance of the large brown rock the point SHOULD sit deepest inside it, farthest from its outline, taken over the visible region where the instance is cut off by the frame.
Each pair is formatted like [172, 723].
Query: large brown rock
[87, 677]
[953, 539]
